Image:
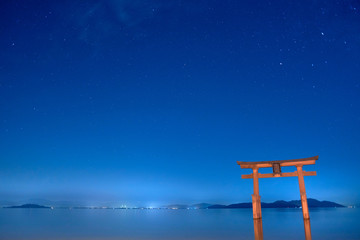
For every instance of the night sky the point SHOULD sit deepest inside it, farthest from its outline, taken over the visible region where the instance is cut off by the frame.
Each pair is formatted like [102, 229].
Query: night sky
[152, 102]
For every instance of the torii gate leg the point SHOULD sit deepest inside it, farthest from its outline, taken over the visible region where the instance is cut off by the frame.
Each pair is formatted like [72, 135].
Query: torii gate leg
[304, 204]
[256, 203]
[307, 229]
[258, 229]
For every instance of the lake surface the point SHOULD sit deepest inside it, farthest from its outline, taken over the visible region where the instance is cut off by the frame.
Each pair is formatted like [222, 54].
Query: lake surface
[340, 223]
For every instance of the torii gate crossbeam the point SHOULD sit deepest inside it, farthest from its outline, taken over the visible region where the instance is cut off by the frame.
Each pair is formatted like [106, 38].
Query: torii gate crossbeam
[276, 165]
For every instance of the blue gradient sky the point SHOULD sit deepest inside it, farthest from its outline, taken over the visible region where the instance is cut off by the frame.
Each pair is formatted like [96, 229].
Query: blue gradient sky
[153, 102]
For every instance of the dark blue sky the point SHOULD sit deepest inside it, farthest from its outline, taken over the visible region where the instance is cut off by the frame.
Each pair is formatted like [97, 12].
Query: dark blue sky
[153, 102]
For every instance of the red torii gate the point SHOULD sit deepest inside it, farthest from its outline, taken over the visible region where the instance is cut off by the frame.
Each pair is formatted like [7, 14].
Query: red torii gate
[276, 165]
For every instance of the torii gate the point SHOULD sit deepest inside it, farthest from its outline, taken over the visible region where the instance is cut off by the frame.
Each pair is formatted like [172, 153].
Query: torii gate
[276, 165]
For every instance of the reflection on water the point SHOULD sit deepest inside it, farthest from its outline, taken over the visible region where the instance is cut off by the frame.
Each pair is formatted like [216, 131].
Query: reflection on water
[205, 224]
[259, 235]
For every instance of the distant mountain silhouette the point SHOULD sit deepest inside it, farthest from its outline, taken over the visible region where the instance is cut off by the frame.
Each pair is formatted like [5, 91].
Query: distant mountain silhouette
[200, 205]
[280, 204]
[28, 206]
[312, 203]
[42, 202]
[240, 205]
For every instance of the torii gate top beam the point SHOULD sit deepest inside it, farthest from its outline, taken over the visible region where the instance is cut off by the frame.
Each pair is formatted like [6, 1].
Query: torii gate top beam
[276, 165]
[283, 163]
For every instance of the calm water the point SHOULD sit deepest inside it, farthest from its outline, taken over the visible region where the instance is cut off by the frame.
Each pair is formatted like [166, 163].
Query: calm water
[175, 224]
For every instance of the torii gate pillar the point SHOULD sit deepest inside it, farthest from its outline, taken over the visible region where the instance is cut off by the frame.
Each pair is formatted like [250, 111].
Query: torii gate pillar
[276, 165]
[256, 202]
[303, 197]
